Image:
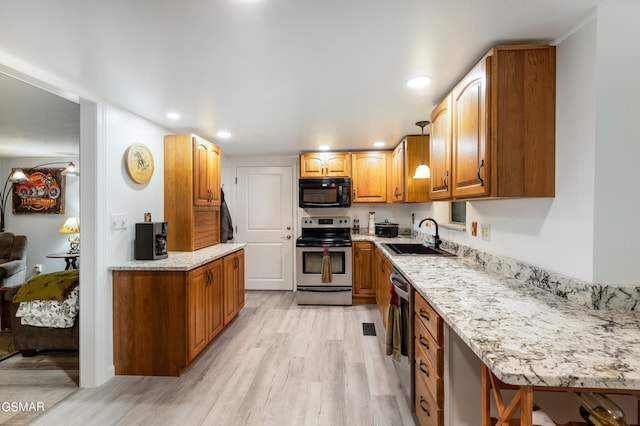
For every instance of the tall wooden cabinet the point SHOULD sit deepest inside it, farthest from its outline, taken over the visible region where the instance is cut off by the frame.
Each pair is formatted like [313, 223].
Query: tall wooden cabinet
[163, 319]
[369, 177]
[325, 164]
[405, 158]
[502, 128]
[364, 289]
[191, 192]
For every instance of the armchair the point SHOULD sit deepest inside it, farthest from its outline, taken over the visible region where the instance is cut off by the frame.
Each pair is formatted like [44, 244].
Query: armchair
[13, 259]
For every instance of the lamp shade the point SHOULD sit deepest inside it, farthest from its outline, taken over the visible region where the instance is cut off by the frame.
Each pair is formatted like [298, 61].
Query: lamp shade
[70, 226]
[422, 172]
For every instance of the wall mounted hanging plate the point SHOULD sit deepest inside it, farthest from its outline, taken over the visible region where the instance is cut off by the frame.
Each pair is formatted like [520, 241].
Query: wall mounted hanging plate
[139, 162]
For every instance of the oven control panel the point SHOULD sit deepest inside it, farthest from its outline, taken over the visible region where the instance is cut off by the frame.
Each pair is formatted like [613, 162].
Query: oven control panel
[326, 222]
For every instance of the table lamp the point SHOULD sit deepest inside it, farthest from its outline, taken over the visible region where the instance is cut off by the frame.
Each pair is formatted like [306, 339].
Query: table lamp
[72, 226]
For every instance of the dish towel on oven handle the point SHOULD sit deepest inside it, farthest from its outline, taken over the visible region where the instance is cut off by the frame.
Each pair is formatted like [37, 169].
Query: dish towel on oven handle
[326, 265]
[394, 332]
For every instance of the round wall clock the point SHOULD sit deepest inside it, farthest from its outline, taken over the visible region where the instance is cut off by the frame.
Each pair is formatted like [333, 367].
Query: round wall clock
[139, 162]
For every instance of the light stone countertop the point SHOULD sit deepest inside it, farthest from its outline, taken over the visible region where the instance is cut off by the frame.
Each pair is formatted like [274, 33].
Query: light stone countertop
[524, 334]
[180, 260]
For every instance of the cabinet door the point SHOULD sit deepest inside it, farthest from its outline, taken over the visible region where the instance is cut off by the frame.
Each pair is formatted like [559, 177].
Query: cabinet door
[369, 172]
[397, 172]
[197, 333]
[214, 175]
[337, 164]
[215, 292]
[416, 151]
[240, 278]
[201, 166]
[206, 173]
[312, 164]
[363, 282]
[233, 285]
[440, 151]
[470, 155]
[382, 268]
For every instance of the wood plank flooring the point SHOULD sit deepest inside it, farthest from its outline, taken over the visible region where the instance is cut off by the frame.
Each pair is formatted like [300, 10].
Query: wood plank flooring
[277, 364]
[47, 378]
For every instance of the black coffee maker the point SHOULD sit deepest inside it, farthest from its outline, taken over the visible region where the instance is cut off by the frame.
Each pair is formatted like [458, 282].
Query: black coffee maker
[151, 240]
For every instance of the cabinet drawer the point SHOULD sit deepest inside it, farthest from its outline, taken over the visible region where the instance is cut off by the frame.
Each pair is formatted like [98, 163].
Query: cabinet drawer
[429, 374]
[425, 342]
[429, 317]
[426, 409]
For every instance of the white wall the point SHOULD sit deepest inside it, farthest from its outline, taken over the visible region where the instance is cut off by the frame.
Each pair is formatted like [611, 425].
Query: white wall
[618, 145]
[42, 229]
[124, 195]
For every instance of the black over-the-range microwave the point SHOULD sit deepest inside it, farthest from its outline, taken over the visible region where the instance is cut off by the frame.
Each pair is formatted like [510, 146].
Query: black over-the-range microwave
[325, 192]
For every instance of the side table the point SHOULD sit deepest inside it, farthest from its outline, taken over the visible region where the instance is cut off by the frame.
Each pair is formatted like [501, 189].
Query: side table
[70, 258]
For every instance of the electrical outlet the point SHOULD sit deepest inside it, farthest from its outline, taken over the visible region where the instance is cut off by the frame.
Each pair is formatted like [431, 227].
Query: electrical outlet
[474, 229]
[38, 268]
[485, 232]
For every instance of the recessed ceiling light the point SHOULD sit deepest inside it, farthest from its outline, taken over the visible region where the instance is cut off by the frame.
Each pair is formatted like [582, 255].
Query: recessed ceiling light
[324, 147]
[223, 134]
[418, 81]
[378, 144]
[173, 115]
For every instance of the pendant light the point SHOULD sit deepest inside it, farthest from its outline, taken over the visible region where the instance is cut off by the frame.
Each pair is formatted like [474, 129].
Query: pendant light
[422, 172]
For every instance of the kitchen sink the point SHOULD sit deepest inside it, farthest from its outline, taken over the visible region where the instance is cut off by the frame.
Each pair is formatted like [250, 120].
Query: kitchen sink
[415, 248]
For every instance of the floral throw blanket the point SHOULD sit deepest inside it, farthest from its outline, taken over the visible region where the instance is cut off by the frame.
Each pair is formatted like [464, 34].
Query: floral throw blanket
[50, 313]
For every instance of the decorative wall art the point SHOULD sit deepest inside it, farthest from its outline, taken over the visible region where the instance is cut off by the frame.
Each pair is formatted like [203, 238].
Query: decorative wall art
[139, 162]
[42, 193]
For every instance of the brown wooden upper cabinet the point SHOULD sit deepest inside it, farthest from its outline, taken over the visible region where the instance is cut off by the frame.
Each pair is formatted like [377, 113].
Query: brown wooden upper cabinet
[322, 164]
[369, 177]
[501, 141]
[440, 151]
[405, 158]
[191, 192]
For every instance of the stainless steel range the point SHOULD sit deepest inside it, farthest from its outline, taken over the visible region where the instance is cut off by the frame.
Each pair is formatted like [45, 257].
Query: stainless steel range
[321, 235]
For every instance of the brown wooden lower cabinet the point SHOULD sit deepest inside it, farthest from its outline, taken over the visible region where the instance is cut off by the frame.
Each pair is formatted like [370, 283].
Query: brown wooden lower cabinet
[364, 289]
[428, 368]
[162, 320]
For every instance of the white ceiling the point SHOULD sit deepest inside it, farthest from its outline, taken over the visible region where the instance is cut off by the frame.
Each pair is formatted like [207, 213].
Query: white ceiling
[281, 75]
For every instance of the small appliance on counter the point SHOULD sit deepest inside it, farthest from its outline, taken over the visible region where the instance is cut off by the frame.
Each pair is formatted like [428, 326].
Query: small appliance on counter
[151, 241]
[386, 229]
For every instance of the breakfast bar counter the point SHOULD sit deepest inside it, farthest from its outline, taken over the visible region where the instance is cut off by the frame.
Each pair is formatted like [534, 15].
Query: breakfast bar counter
[180, 261]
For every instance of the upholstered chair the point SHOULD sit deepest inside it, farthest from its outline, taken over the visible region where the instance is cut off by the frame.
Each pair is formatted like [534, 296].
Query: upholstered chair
[13, 259]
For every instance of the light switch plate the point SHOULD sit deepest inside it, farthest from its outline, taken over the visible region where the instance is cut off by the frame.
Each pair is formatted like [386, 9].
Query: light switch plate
[119, 221]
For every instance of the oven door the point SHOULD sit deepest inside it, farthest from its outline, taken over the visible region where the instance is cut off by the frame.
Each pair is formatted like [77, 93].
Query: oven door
[311, 290]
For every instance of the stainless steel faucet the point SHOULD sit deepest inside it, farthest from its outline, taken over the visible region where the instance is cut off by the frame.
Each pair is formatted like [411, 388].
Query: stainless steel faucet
[436, 238]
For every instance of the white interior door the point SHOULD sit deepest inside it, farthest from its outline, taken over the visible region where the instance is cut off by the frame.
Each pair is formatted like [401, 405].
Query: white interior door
[265, 224]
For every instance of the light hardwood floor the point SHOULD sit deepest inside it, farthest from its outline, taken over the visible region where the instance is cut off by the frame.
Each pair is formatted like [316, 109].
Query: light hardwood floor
[276, 364]
[44, 379]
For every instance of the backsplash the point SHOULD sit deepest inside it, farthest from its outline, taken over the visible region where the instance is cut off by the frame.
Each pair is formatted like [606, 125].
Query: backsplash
[593, 296]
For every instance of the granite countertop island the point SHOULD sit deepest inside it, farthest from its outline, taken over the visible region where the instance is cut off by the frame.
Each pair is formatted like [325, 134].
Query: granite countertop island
[524, 334]
[179, 261]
